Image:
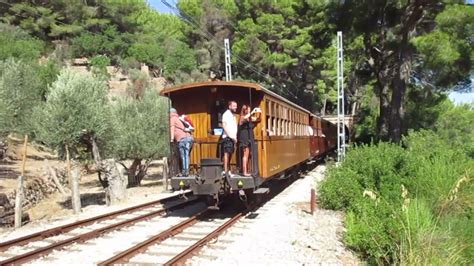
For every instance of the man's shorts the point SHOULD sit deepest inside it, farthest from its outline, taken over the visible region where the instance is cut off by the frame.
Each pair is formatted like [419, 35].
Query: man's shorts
[228, 145]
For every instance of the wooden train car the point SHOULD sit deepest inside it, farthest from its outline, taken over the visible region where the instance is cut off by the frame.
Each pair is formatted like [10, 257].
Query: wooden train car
[286, 136]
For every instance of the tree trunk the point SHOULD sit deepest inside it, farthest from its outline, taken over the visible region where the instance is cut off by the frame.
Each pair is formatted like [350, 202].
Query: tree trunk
[133, 178]
[111, 176]
[116, 191]
[398, 108]
[323, 110]
[384, 115]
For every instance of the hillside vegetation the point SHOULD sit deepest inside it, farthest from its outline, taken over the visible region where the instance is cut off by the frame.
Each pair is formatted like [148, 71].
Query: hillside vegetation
[407, 183]
[410, 203]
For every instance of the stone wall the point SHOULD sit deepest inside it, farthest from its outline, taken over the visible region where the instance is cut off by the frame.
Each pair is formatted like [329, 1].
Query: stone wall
[35, 190]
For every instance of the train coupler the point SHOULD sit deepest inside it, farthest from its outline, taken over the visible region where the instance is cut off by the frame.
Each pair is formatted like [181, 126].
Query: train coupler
[182, 194]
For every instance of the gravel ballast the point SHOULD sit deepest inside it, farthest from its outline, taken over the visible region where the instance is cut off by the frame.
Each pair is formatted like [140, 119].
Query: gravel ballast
[283, 232]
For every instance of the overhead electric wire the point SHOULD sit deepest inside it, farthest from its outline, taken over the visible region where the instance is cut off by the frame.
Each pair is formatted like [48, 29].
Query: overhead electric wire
[188, 19]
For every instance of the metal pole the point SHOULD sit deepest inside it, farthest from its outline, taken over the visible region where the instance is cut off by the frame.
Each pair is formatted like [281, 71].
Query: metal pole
[341, 138]
[228, 68]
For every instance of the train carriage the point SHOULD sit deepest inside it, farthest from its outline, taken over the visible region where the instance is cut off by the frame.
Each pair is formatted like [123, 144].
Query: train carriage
[286, 136]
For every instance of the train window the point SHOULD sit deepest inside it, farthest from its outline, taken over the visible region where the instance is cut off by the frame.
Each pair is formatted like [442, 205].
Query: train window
[274, 121]
[269, 125]
[279, 126]
[216, 113]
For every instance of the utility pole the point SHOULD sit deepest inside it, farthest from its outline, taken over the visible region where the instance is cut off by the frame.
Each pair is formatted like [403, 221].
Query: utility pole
[341, 134]
[228, 68]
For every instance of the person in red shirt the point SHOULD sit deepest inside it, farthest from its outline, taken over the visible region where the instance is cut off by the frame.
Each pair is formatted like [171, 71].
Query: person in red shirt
[183, 137]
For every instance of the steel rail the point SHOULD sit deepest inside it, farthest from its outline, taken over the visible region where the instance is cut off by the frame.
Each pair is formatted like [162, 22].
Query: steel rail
[26, 257]
[183, 256]
[69, 227]
[125, 256]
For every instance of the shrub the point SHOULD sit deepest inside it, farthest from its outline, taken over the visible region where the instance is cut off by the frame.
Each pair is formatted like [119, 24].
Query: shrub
[377, 168]
[108, 42]
[47, 74]
[20, 91]
[141, 132]
[456, 127]
[373, 230]
[76, 105]
[402, 204]
[99, 65]
[16, 43]
[340, 189]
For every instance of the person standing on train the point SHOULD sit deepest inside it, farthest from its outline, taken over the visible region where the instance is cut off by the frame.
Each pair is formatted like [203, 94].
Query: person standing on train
[245, 135]
[229, 137]
[183, 137]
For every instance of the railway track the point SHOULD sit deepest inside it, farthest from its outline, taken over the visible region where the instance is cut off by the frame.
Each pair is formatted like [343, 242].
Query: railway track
[179, 242]
[89, 228]
[185, 239]
[167, 240]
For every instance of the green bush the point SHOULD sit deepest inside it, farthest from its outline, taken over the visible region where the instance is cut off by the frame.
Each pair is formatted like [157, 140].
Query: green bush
[141, 127]
[108, 42]
[456, 127]
[377, 168]
[402, 203]
[99, 65]
[76, 105]
[140, 132]
[373, 230]
[47, 74]
[16, 43]
[20, 92]
[340, 189]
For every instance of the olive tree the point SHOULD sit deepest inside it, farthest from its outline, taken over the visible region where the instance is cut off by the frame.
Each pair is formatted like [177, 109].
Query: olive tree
[20, 91]
[76, 115]
[141, 132]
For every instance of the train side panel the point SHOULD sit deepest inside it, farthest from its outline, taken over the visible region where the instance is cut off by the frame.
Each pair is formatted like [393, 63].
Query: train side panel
[285, 139]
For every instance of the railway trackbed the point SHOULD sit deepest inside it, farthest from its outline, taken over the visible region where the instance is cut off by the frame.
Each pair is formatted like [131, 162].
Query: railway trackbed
[185, 239]
[138, 235]
[175, 245]
[25, 249]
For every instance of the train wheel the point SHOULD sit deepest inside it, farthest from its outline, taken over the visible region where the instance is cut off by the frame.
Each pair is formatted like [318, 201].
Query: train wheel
[211, 200]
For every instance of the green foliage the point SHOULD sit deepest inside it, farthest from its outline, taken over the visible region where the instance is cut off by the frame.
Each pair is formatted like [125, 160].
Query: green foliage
[48, 73]
[455, 125]
[179, 58]
[402, 203]
[109, 42]
[366, 128]
[14, 42]
[340, 189]
[141, 127]
[20, 91]
[99, 65]
[447, 51]
[147, 52]
[76, 105]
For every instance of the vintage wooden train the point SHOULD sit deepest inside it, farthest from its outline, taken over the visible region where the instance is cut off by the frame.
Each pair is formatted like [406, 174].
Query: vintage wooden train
[286, 137]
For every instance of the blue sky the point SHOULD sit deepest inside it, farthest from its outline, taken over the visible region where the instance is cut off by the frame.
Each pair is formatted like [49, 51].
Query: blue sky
[158, 5]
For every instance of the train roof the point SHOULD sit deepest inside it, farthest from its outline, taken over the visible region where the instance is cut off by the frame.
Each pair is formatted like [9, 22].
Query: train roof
[244, 84]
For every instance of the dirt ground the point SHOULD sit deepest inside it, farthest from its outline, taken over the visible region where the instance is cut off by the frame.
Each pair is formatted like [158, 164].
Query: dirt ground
[56, 206]
[38, 158]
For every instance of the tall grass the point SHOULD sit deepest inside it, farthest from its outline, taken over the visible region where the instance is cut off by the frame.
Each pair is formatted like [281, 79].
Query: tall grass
[410, 205]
